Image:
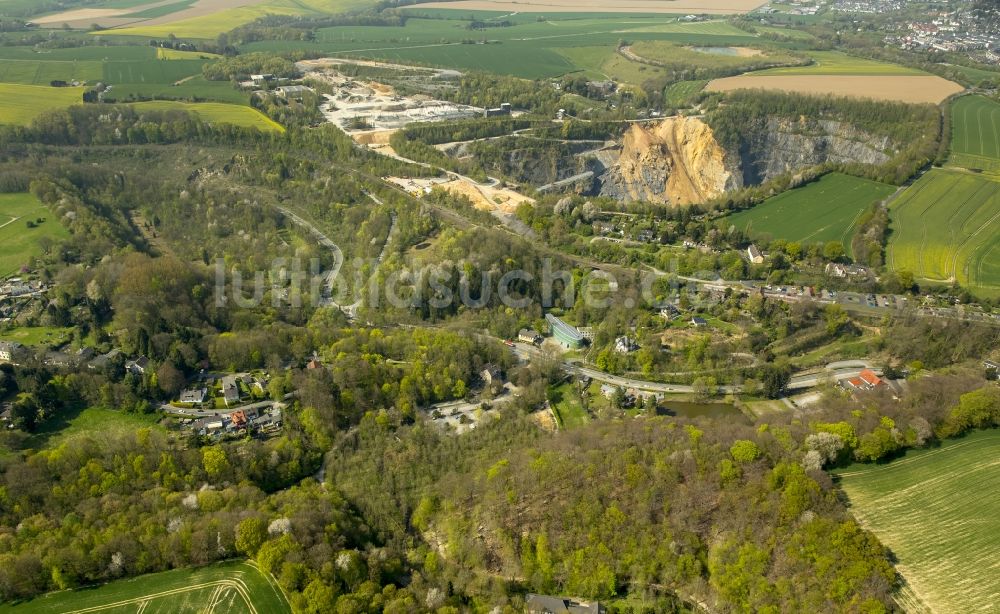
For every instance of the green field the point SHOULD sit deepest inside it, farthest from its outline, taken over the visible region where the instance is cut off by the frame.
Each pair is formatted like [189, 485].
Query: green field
[19, 104]
[529, 48]
[824, 210]
[836, 63]
[681, 93]
[567, 409]
[226, 588]
[939, 513]
[35, 335]
[946, 227]
[91, 421]
[211, 25]
[975, 136]
[18, 243]
[215, 112]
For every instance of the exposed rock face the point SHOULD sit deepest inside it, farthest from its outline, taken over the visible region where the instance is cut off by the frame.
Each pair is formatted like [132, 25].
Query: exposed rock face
[676, 161]
[788, 145]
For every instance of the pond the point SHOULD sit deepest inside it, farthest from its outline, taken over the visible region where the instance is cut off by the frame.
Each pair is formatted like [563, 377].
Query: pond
[733, 51]
[689, 409]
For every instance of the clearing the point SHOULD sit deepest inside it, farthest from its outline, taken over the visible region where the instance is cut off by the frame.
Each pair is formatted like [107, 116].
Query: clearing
[216, 112]
[938, 512]
[19, 243]
[824, 210]
[235, 587]
[946, 228]
[904, 88]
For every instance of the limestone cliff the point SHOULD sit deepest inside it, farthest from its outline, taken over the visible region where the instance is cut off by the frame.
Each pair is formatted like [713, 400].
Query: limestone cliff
[676, 161]
[782, 145]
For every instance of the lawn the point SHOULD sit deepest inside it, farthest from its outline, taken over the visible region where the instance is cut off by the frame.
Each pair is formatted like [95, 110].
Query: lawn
[821, 211]
[35, 335]
[566, 406]
[946, 227]
[18, 243]
[975, 133]
[938, 511]
[19, 104]
[92, 421]
[837, 63]
[235, 587]
[215, 112]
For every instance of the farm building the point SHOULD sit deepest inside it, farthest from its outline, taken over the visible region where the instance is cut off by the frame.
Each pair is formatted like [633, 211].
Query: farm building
[294, 92]
[503, 109]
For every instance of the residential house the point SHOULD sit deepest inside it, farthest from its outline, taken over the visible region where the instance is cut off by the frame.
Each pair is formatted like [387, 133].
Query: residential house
[866, 380]
[11, 351]
[102, 361]
[137, 366]
[669, 312]
[231, 390]
[646, 236]
[194, 395]
[528, 335]
[238, 420]
[624, 345]
[547, 604]
[699, 322]
[262, 79]
[754, 254]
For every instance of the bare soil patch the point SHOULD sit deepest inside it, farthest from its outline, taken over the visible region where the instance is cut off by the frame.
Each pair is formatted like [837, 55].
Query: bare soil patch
[715, 7]
[903, 88]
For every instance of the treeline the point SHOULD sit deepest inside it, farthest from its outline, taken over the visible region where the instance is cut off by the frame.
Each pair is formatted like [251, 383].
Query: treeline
[242, 66]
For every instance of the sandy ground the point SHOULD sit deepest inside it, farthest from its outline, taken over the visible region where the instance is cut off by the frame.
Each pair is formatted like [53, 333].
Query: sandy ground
[914, 89]
[715, 7]
[488, 198]
[378, 137]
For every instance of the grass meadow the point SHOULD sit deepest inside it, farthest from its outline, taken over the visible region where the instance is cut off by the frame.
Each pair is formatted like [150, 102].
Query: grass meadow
[946, 228]
[18, 243]
[938, 512]
[20, 104]
[821, 211]
[215, 112]
[837, 63]
[235, 587]
[566, 407]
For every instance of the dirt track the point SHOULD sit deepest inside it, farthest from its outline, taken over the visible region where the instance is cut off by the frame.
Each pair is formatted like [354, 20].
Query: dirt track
[914, 89]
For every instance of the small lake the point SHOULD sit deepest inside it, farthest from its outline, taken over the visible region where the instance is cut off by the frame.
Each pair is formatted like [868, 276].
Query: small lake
[733, 51]
[689, 409]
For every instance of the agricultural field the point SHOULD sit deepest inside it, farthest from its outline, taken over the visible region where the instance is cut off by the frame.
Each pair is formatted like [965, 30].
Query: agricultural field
[681, 93]
[913, 89]
[946, 228]
[836, 63]
[718, 7]
[824, 210]
[975, 133]
[529, 48]
[938, 512]
[215, 112]
[236, 587]
[19, 243]
[20, 104]
[206, 19]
